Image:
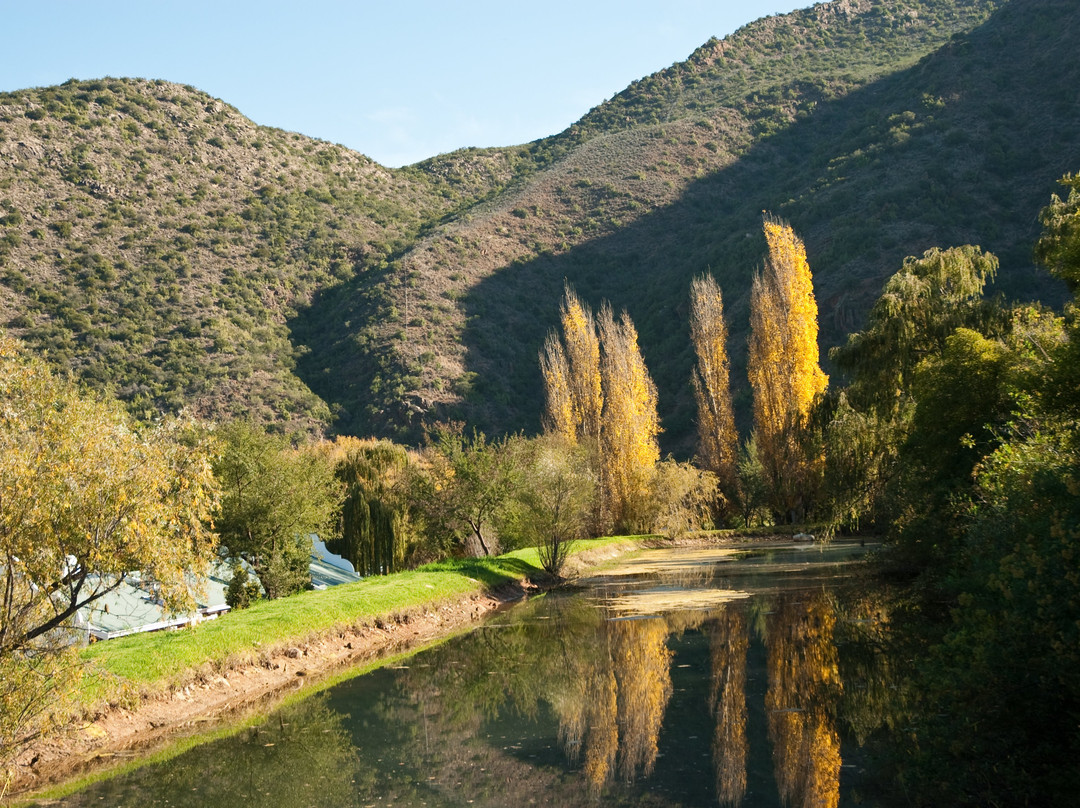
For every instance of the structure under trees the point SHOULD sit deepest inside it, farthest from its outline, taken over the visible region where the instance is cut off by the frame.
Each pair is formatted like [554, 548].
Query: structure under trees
[87, 502]
[718, 442]
[274, 498]
[785, 376]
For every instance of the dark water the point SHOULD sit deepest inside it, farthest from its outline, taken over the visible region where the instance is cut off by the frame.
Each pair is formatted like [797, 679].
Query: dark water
[685, 678]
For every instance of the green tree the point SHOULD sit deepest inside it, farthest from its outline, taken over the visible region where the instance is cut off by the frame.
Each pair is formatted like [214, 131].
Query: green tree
[242, 590]
[869, 422]
[1058, 248]
[274, 497]
[554, 500]
[1004, 671]
[467, 488]
[376, 531]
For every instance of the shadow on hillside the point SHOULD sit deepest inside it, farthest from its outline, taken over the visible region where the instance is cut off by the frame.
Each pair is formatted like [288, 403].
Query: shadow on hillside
[964, 147]
[339, 356]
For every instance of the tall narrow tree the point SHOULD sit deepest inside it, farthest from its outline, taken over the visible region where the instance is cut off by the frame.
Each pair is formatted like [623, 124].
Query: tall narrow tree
[629, 446]
[571, 369]
[783, 366]
[559, 405]
[717, 439]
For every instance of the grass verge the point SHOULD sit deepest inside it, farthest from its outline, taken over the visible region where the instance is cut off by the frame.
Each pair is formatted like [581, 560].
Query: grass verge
[122, 667]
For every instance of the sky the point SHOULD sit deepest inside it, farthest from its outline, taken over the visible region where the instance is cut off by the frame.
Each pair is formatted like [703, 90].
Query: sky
[398, 80]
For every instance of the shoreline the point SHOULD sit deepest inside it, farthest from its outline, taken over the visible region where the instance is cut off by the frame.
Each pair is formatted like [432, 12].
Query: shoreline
[206, 700]
[118, 734]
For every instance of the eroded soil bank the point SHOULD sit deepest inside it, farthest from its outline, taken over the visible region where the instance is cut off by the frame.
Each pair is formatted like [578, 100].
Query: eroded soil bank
[119, 733]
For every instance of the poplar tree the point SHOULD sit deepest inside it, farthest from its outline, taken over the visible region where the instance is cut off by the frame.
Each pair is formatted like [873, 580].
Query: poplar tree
[783, 366]
[571, 370]
[717, 438]
[630, 425]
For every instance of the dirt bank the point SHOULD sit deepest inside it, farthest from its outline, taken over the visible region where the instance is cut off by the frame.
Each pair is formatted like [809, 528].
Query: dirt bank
[120, 733]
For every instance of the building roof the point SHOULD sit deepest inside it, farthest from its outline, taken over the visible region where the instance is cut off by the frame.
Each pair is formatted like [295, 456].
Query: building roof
[134, 607]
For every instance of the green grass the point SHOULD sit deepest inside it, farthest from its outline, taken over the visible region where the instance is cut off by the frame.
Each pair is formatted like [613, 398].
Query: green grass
[122, 667]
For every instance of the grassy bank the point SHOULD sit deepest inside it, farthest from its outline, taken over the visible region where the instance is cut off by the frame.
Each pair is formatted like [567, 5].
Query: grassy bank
[123, 667]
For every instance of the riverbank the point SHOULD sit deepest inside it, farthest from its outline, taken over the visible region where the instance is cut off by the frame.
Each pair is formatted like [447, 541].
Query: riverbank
[146, 692]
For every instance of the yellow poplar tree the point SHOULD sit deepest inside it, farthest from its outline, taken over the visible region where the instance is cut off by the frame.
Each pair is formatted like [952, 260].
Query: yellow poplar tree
[630, 426]
[783, 366]
[571, 370]
[559, 407]
[718, 441]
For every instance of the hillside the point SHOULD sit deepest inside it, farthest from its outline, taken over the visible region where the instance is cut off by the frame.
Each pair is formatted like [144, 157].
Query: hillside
[155, 241]
[159, 243]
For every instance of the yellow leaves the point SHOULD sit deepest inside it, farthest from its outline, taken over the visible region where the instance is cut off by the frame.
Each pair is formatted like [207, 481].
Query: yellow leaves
[572, 374]
[718, 440]
[605, 398]
[555, 370]
[629, 445]
[803, 683]
[79, 481]
[783, 363]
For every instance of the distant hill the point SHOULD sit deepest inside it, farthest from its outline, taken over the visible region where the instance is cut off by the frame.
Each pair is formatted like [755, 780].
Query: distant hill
[161, 244]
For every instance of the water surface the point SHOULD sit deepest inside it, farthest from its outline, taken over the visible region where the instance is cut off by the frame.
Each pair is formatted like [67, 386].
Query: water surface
[680, 678]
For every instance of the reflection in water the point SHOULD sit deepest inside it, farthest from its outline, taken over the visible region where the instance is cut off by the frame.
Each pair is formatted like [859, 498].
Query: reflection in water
[301, 755]
[803, 685]
[642, 669]
[621, 707]
[561, 702]
[728, 644]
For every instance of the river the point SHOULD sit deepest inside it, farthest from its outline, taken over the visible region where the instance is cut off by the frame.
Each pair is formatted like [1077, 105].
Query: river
[693, 677]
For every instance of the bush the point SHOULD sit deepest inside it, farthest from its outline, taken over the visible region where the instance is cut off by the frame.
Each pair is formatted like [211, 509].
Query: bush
[243, 589]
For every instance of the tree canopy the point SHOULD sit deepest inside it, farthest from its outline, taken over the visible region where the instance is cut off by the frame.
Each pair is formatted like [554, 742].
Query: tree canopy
[274, 498]
[87, 500]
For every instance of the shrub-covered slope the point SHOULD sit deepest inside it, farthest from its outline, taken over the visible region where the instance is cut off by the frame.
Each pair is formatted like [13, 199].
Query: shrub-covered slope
[159, 243]
[879, 129]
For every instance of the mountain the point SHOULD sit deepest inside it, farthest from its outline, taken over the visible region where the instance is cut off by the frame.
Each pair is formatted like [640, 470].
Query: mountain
[158, 243]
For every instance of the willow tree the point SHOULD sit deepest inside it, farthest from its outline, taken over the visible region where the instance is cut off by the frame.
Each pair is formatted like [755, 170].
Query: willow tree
[718, 442]
[571, 370]
[629, 449]
[374, 514]
[783, 367]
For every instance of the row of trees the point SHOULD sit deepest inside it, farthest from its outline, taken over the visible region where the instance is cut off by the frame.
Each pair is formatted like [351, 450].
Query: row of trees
[960, 431]
[599, 395]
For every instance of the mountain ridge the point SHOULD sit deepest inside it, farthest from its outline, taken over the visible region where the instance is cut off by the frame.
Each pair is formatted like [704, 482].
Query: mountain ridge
[161, 245]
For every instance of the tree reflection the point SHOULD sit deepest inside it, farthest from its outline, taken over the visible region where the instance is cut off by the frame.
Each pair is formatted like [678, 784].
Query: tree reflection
[729, 642]
[617, 715]
[803, 686]
[301, 755]
[643, 672]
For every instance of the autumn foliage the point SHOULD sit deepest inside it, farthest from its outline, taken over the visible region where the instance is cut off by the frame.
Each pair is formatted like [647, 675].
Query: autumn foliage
[718, 442]
[599, 392]
[783, 367]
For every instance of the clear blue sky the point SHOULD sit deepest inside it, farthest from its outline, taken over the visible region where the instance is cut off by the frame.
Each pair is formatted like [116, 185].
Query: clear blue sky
[398, 80]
